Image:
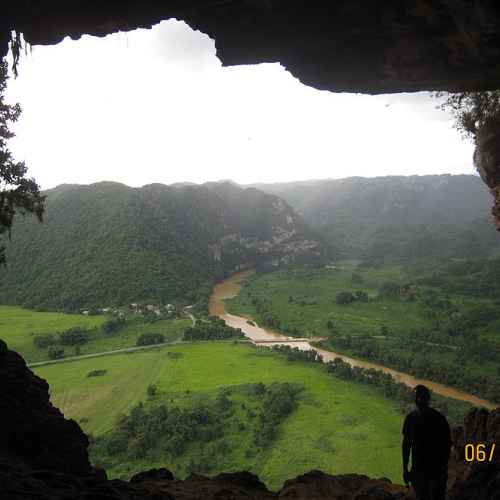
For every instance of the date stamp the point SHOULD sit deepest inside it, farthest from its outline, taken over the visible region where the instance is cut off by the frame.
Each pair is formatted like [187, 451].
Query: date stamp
[478, 452]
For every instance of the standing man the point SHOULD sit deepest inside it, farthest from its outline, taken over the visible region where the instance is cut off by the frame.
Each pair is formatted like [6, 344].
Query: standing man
[426, 433]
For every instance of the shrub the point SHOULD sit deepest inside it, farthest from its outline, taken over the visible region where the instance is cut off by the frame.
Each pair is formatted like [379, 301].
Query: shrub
[344, 298]
[43, 341]
[174, 355]
[74, 336]
[113, 325]
[152, 391]
[389, 289]
[56, 352]
[150, 339]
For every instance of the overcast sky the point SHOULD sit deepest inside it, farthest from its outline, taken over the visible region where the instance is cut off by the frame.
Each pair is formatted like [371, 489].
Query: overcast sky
[157, 106]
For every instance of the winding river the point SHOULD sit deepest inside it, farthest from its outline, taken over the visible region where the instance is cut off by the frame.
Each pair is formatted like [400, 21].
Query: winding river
[260, 336]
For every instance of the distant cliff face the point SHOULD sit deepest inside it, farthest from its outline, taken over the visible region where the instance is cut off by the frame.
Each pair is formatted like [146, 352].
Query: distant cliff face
[261, 228]
[399, 217]
[44, 456]
[110, 244]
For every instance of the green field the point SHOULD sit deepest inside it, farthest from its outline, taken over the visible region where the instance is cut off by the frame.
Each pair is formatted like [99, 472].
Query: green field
[305, 299]
[19, 326]
[338, 426]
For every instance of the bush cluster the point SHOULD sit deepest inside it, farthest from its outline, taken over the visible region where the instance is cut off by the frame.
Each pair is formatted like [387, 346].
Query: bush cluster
[213, 329]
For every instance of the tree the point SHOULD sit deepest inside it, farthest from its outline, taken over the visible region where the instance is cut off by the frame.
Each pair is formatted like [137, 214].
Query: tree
[55, 352]
[152, 391]
[389, 289]
[344, 298]
[74, 336]
[18, 194]
[472, 110]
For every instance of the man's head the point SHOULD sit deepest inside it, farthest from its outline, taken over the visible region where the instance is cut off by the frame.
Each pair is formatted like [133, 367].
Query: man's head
[422, 397]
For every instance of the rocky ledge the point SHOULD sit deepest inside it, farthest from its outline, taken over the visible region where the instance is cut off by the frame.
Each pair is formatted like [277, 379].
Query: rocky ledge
[43, 456]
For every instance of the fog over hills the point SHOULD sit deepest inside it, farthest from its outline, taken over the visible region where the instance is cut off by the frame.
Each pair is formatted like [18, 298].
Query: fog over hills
[397, 217]
[107, 243]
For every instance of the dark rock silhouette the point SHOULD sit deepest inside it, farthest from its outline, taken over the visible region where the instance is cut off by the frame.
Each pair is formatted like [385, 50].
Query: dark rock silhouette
[32, 430]
[390, 46]
[316, 485]
[43, 456]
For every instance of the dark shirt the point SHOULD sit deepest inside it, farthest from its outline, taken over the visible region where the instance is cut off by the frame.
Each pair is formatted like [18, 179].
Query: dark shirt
[429, 435]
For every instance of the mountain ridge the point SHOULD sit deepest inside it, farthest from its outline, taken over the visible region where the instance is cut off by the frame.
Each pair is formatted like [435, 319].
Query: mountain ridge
[397, 217]
[108, 243]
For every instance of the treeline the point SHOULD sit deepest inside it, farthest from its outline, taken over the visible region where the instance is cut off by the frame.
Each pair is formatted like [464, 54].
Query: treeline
[266, 317]
[473, 277]
[212, 329]
[296, 354]
[383, 382]
[423, 360]
[75, 337]
[397, 391]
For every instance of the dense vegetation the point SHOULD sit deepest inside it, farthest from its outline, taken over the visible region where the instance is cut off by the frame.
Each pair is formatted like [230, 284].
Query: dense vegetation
[388, 219]
[439, 322]
[355, 428]
[108, 244]
[212, 328]
[156, 431]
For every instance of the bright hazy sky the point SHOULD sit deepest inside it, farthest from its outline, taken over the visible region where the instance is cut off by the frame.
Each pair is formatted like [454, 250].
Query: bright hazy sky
[157, 106]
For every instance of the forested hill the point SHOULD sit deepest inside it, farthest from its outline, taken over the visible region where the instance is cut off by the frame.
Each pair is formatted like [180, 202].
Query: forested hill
[108, 244]
[402, 218]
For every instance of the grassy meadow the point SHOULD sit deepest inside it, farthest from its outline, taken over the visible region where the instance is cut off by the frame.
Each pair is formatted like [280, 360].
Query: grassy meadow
[305, 299]
[337, 427]
[19, 326]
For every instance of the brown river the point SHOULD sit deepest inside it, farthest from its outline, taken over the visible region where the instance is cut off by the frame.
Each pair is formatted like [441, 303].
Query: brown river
[260, 336]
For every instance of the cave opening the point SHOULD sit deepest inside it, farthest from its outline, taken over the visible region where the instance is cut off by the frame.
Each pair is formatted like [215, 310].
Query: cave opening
[60, 445]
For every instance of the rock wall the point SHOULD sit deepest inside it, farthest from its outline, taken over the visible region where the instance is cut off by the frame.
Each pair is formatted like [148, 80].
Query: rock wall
[487, 161]
[474, 480]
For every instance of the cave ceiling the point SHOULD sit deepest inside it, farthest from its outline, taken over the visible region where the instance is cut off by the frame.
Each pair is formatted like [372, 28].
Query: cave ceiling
[369, 46]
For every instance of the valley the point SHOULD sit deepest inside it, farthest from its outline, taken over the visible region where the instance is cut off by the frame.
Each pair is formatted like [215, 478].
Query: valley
[355, 429]
[269, 342]
[399, 322]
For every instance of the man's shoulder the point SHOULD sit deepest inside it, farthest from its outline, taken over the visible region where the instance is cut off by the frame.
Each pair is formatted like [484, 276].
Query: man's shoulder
[409, 421]
[438, 416]
[412, 415]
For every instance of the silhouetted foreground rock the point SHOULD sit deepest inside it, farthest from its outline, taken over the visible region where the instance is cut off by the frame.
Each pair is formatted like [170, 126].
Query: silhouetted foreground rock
[317, 485]
[43, 456]
[473, 480]
[32, 430]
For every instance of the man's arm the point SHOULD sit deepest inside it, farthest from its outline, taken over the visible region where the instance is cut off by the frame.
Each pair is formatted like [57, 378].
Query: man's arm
[447, 441]
[406, 447]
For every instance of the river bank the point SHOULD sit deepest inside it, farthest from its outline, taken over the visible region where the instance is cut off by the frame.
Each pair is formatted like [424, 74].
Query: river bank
[231, 287]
